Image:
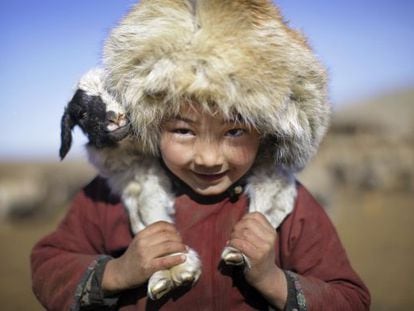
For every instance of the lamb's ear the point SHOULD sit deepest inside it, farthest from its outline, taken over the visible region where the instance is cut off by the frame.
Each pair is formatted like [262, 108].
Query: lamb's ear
[66, 126]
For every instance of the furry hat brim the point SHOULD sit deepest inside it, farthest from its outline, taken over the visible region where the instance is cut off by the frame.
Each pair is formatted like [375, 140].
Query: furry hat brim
[238, 56]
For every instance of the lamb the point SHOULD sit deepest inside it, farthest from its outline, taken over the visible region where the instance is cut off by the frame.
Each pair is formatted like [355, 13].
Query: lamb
[141, 182]
[138, 179]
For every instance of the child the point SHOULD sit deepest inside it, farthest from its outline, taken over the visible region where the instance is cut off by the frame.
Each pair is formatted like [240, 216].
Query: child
[223, 93]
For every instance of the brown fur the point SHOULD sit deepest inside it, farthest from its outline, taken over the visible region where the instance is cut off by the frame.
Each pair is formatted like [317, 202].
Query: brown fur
[239, 56]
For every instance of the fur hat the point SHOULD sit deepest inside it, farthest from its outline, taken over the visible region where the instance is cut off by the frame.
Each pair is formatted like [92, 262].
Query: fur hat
[237, 56]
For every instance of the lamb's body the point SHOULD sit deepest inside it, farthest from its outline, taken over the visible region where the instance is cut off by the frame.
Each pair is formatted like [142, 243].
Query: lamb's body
[139, 180]
[142, 184]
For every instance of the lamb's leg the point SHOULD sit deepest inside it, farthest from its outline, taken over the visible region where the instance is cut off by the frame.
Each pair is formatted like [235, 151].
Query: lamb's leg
[130, 199]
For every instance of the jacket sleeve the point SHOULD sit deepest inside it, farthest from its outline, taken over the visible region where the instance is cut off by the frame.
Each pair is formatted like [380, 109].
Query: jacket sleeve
[66, 258]
[317, 262]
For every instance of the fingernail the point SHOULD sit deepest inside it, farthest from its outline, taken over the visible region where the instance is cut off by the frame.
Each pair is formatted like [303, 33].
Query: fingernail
[183, 257]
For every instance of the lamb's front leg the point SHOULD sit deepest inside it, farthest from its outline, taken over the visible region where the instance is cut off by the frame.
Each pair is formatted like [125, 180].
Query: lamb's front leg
[162, 282]
[148, 199]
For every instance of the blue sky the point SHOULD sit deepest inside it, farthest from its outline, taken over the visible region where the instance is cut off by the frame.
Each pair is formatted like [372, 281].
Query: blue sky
[367, 46]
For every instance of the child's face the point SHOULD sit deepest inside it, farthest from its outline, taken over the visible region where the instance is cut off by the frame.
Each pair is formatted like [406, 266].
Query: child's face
[207, 152]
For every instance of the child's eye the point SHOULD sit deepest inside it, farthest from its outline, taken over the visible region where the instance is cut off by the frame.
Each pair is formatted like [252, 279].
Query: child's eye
[236, 132]
[182, 131]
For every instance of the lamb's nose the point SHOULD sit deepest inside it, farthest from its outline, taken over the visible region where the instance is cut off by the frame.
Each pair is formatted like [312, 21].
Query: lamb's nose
[111, 116]
[115, 120]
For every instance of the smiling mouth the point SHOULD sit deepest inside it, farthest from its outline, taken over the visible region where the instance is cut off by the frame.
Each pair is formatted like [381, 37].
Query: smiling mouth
[210, 177]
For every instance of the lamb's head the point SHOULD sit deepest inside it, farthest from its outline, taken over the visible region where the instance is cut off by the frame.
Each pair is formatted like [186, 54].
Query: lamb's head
[100, 117]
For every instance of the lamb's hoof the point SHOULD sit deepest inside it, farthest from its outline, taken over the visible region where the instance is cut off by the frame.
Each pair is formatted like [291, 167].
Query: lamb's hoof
[186, 277]
[232, 256]
[160, 288]
[163, 281]
[188, 272]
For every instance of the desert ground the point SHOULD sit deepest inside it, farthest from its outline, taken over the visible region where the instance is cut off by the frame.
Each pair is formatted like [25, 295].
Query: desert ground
[363, 175]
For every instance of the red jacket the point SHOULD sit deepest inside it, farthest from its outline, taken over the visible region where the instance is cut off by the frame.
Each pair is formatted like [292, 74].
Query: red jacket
[97, 224]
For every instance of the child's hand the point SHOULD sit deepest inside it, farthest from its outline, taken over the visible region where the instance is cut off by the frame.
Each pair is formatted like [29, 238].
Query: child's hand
[255, 237]
[146, 254]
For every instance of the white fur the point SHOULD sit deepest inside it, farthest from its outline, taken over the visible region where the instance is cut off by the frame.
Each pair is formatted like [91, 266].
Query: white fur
[92, 84]
[272, 193]
[238, 55]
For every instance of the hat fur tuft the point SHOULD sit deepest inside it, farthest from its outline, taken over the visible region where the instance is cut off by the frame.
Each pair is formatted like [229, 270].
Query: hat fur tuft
[236, 55]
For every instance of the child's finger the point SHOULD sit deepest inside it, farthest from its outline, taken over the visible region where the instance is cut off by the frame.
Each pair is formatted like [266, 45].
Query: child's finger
[254, 224]
[165, 249]
[260, 219]
[253, 238]
[248, 228]
[243, 246]
[257, 246]
[167, 262]
[160, 237]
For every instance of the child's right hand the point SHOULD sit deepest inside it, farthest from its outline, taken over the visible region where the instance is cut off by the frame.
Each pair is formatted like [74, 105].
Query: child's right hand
[147, 253]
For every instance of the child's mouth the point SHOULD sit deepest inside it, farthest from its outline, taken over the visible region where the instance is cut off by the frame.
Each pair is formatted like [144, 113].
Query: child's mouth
[210, 177]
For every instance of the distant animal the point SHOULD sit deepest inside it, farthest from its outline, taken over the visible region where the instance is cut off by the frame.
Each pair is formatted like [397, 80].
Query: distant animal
[142, 184]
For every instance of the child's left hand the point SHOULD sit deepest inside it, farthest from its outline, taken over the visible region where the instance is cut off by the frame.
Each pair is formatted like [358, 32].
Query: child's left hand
[255, 237]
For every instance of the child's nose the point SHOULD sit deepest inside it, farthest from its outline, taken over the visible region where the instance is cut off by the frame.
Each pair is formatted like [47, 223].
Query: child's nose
[208, 154]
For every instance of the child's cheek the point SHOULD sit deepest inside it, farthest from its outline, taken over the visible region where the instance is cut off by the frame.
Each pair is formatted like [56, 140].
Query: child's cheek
[241, 155]
[175, 151]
